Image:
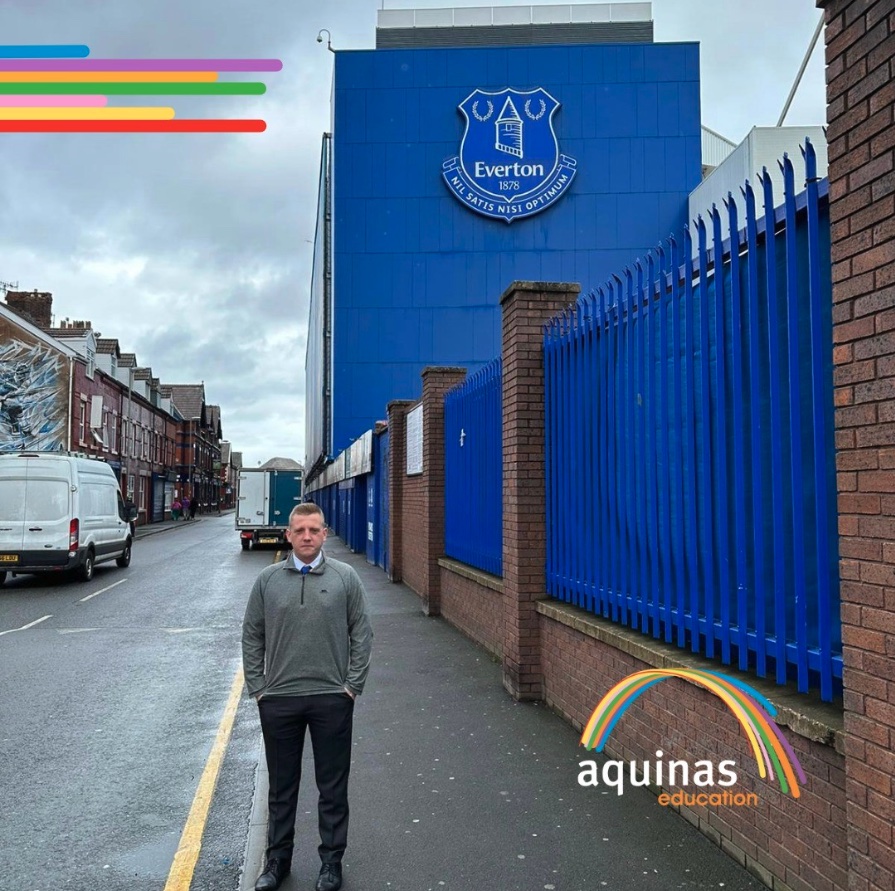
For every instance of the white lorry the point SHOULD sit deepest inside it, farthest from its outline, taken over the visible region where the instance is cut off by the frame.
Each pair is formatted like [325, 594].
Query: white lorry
[264, 500]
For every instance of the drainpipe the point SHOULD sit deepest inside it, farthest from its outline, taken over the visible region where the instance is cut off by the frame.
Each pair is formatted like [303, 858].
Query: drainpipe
[71, 393]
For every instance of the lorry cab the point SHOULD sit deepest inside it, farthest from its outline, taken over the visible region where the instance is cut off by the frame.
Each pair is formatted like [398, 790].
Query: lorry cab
[61, 512]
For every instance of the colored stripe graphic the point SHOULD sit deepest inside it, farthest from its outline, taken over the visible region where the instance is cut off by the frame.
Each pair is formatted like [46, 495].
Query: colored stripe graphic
[773, 753]
[246, 125]
[119, 113]
[33, 101]
[33, 64]
[137, 89]
[111, 76]
[55, 89]
[45, 51]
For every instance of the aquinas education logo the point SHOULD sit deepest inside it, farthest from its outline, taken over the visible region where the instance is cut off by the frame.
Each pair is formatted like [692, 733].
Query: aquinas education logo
[509, 164]
[773, 754]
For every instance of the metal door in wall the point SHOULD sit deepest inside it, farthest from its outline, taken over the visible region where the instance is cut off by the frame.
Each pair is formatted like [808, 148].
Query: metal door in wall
[345, 510]
[359, 515]
[372, 510]
[157, 507]
[383, 482]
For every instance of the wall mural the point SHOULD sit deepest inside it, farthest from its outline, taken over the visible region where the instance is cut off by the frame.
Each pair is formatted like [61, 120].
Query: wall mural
[32, 398]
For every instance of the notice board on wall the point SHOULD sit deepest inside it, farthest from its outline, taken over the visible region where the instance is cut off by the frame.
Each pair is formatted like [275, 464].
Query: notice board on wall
[415, 441]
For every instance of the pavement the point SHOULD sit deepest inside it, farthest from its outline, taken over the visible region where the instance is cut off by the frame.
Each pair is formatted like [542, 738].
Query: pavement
[456, 786]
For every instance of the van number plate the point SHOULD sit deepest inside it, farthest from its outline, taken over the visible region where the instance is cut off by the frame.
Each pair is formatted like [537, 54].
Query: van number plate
[9, 558]
[268, 541]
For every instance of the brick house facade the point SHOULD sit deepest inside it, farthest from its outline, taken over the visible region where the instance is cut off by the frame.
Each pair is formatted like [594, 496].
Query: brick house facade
[104, 405]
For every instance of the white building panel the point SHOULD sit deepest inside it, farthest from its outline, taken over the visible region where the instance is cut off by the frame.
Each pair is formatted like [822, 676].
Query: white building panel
[763, 147]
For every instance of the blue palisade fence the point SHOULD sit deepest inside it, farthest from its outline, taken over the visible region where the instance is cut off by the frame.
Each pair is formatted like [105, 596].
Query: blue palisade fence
[473, 470]
[689, 442]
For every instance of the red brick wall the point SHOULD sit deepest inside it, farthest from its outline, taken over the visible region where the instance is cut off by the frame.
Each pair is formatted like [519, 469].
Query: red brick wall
[414, 519]
[476, 610]
[860, 46]
[421, 496]
[799, 841]
[85, 389]
[436, 382]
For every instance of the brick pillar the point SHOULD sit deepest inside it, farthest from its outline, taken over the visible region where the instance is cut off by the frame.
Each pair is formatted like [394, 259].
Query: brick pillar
[397, 462]
[436, 382]
[860, 36]
[525, 307]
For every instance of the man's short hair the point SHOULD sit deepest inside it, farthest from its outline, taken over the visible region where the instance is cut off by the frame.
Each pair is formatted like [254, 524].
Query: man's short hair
[304, 509]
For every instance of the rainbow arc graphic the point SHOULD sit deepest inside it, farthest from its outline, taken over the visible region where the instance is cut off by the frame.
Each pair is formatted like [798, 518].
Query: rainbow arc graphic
[55, 88]
[773, 753]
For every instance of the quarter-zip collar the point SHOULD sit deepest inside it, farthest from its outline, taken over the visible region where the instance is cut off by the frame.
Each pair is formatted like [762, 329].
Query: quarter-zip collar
[289, 565]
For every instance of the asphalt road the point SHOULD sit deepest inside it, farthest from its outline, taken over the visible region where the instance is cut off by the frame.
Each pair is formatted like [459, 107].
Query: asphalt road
[109, 709]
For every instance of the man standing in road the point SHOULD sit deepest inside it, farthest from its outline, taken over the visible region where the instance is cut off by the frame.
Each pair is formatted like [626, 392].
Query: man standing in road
[306, 641]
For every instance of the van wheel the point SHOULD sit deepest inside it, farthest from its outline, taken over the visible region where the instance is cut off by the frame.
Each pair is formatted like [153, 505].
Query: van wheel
[85, 571]
[245, 543]
[125, 559]
[2, 577]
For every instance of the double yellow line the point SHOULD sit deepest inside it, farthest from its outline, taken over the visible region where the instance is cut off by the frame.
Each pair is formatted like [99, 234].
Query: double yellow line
[181, 875]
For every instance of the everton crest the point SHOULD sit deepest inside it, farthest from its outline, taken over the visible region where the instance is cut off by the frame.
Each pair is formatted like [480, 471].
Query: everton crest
[509, 164]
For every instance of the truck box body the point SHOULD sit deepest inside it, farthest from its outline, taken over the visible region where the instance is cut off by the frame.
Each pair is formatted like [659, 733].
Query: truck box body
[264, 500]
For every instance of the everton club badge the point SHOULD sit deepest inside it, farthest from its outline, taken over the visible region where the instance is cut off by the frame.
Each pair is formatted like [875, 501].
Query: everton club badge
[509, 164]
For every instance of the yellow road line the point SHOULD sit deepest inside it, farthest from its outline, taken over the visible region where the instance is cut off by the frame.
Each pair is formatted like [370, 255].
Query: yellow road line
[181, 875]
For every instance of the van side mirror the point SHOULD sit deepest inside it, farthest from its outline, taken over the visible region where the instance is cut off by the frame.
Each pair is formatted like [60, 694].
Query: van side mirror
[131, 510]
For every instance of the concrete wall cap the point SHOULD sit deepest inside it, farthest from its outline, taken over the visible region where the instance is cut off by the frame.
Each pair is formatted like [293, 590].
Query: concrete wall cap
[443, 369]
[400, 403]
[538, 287]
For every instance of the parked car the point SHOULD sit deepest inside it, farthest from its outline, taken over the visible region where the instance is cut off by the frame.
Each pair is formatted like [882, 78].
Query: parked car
[61, 512]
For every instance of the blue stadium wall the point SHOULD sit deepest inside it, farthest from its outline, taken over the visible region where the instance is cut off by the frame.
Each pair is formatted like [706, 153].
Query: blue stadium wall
[417, 275]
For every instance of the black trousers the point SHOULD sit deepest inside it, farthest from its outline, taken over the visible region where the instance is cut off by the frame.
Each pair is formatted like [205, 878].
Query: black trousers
[284, 720]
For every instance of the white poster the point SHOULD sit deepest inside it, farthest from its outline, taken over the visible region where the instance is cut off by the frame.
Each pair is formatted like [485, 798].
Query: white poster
[415, 441]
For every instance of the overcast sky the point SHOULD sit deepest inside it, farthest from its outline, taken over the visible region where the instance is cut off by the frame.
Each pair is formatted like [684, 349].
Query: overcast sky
[194, 249]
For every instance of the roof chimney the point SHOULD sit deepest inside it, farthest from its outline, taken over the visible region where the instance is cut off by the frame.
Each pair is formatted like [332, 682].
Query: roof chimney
[36, 306]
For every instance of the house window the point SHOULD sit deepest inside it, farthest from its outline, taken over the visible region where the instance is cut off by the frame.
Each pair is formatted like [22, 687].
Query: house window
[97, 427]
[91, 363]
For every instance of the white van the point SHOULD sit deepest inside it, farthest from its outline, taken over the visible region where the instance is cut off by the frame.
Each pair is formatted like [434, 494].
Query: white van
[61, 512]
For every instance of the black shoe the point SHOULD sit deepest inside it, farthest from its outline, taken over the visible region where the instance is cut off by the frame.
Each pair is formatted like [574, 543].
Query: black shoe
[330, 878]
[276, 870]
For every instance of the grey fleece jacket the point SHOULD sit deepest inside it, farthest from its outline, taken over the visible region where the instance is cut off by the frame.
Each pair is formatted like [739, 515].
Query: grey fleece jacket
[306, 634]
